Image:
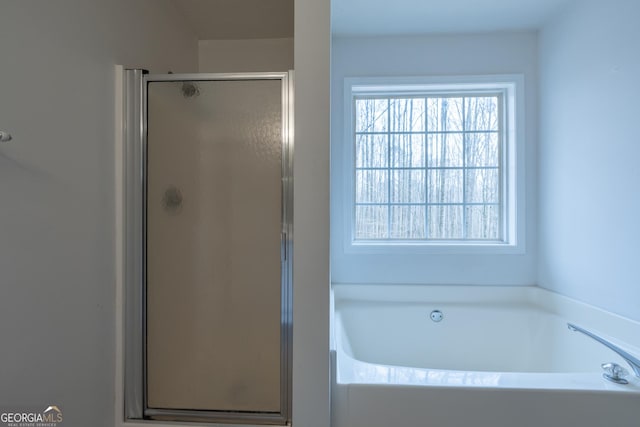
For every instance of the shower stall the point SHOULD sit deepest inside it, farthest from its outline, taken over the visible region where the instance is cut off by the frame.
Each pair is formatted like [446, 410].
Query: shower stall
[208, 239]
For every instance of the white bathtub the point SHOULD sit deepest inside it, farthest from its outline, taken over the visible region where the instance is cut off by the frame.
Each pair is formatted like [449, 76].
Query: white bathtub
[501, 356]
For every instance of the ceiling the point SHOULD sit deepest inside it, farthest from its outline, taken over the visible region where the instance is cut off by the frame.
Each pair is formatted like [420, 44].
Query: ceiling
[401, 17]
[251, 19]
[238, 19]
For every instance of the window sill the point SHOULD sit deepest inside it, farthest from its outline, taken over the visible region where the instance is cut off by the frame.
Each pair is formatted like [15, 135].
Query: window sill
[434, 248]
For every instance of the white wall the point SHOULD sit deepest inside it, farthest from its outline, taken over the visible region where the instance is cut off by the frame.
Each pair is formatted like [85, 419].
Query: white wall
[248, 55]
[500, 53]
[589, 150]
[311, 215]
[57, 186]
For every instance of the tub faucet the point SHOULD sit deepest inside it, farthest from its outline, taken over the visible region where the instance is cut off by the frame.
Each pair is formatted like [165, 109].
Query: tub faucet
[634, 362]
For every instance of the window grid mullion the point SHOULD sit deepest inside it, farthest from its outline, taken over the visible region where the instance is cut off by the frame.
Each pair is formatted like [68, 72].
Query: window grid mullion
[501, 171]
[427, 204]
[449, 132]
[432, 168]
[389, 168]
[464, 169]
[426, 167]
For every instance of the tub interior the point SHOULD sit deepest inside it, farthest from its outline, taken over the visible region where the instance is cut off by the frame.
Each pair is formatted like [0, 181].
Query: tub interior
[515, 334]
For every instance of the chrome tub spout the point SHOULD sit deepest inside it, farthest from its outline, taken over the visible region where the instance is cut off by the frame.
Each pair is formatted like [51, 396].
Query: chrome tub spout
[633, 361]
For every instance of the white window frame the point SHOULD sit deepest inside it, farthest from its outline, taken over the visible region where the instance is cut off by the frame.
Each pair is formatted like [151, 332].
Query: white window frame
[513, 162]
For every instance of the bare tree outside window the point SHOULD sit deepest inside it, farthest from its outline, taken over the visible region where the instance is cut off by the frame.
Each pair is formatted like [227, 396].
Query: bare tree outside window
[428, 167]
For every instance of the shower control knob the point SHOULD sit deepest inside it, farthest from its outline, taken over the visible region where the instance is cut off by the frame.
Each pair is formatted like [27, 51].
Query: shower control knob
[615, 373]
[172, 199]
[5, 136]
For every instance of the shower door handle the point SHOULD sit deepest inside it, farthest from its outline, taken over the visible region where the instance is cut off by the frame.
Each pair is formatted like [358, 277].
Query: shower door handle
[283, 242]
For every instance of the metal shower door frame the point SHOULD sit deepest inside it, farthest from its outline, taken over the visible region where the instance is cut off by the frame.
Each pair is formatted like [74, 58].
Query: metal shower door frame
[135, 169]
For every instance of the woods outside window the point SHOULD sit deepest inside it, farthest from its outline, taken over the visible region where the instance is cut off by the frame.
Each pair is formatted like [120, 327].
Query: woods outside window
[432, 164]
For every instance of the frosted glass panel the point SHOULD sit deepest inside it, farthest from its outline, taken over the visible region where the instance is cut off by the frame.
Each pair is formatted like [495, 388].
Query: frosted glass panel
[213, 245]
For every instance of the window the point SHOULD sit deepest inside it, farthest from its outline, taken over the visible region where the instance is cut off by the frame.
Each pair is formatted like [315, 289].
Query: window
[432, 164]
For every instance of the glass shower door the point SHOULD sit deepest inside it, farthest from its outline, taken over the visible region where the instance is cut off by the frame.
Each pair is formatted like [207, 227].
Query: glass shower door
[216, 316]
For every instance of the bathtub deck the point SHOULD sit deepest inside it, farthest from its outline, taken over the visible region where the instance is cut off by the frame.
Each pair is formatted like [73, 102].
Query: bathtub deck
[501, 356]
